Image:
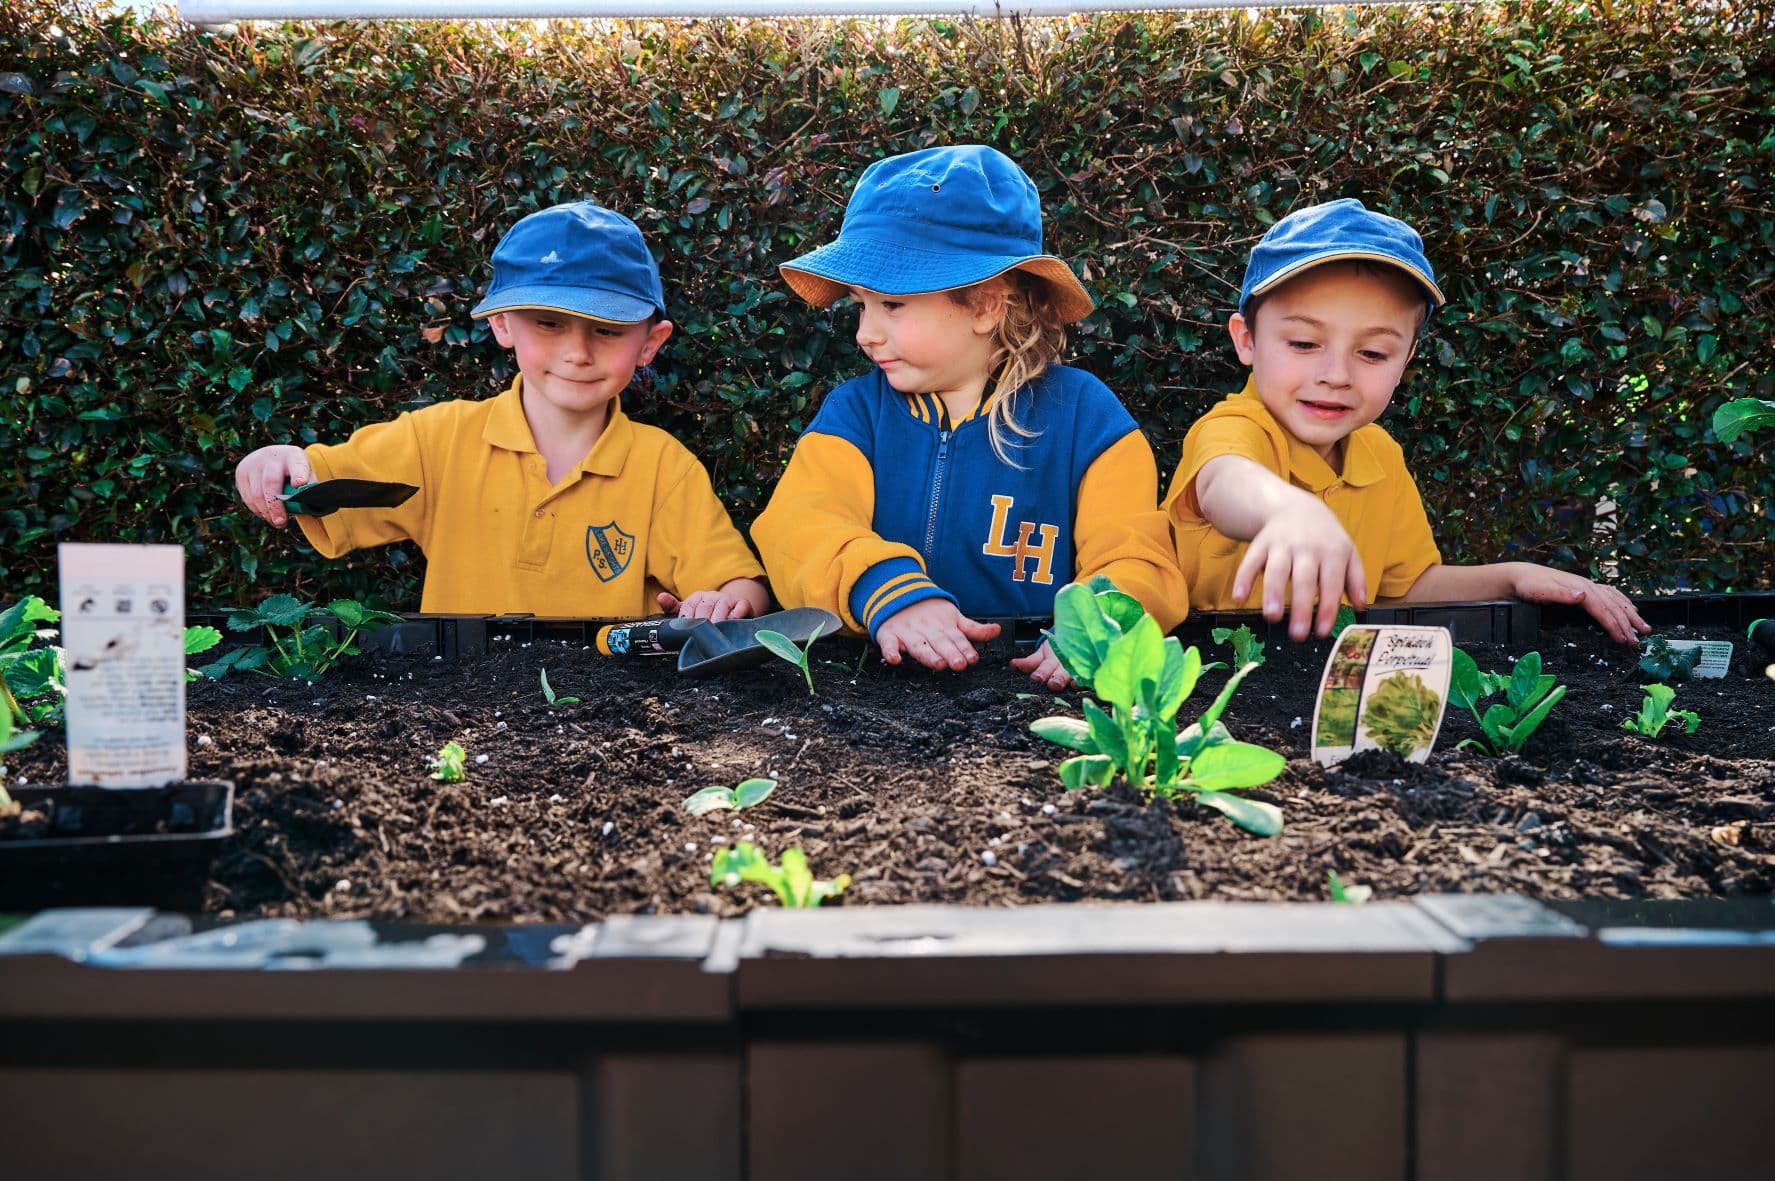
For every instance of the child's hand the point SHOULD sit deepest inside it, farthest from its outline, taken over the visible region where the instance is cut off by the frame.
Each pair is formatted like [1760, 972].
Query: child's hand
[1306, 548]
[735, 599]
[261, 477]
[1044, 668]
[1608, 606]
[934, 633]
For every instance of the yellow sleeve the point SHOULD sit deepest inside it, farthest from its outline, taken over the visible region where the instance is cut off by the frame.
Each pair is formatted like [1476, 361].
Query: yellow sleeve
[1211, 438]
[817, 535]
[383, 451]
[1120, 532]
[1411, 548]
[694, 546]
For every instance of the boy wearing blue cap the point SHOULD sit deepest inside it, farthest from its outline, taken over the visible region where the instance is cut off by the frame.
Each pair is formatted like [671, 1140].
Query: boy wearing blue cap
[969, 474]
[547, 499]
[1287, 491]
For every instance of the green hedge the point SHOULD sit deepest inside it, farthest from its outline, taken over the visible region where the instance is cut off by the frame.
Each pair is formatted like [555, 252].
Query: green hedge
[212, 243]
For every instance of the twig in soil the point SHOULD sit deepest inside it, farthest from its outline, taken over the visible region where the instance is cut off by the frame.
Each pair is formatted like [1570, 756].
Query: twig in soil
[792, 762]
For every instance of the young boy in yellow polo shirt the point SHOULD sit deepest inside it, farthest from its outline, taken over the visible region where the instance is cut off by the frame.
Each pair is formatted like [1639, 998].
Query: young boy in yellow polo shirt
[1287, 491]
[547, 499]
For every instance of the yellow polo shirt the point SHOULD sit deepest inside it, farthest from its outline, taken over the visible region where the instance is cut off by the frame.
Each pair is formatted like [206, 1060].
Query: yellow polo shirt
[1374, 497]
[636, 516]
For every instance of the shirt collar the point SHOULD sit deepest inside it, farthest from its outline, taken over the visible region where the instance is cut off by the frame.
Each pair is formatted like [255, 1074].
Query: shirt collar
[508, 429]
[1362, 464]
[932, 409]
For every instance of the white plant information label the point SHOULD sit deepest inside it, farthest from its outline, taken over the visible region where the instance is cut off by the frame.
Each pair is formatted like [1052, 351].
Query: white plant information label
[1383, 688]
[123, 642]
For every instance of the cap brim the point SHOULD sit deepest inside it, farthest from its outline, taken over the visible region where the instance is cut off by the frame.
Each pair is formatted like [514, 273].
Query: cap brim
[590, 302]
[1320, 259]
[827, 274]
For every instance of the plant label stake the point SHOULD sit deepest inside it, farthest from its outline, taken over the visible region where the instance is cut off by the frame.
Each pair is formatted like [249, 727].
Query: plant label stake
[1716, 656]
[123, 639]
[1384, 688]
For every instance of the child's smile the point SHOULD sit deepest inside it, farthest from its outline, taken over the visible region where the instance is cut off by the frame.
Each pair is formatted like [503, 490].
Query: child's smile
[574, 364]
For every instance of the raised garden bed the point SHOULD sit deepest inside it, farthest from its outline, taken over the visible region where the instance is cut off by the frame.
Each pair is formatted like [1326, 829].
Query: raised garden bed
[930, 788]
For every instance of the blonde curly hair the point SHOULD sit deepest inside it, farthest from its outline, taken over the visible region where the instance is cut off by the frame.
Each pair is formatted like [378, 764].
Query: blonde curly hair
[1031, 336]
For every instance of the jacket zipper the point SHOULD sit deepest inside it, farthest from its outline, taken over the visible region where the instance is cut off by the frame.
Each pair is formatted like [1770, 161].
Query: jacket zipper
[930, 533]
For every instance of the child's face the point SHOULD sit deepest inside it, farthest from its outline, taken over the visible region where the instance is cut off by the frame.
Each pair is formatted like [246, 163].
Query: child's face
[574, 364]
[1328, 349]
[928, 344]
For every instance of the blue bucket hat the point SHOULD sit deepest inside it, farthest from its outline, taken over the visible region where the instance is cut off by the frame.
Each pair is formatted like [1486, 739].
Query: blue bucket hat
[936, 220]
[580, 258]
[1331, 232]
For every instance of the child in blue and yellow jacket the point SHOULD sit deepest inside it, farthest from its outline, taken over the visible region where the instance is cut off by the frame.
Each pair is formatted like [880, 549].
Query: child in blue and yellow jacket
[968, 474]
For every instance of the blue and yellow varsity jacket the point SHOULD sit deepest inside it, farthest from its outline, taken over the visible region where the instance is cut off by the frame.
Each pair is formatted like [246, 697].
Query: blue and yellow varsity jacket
[886, 503]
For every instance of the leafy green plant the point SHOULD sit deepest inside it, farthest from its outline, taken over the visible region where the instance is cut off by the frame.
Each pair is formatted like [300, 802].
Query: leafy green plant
[1401, 716]
[1662, 663]
[1528, 697]
[299, 649]
[197, 641]
[548, 693]
[1111, 646]
[1247, 648]
[32, 687]
[793, 882]
[1352, 894]
[1743, 414]
[749, 793]
[10, 741]
[450, 764]
[1655, 713]
[782, 646]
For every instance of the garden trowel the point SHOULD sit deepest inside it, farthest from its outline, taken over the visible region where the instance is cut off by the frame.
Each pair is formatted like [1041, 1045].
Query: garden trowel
[704, 646]
[327, 496]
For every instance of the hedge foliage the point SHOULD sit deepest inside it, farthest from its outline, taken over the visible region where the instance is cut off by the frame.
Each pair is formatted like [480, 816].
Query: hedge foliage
[212, 243]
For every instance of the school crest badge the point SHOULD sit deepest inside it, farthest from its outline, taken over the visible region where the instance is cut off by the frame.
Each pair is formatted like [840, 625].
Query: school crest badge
[609, 550]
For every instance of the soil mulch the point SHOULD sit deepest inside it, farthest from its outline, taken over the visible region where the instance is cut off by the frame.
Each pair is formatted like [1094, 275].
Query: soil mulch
[930, 788]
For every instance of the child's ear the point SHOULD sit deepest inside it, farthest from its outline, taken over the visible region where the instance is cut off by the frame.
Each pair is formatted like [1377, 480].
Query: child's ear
[988, 302]
[656, 336]
[1243, 344]
[502, 331]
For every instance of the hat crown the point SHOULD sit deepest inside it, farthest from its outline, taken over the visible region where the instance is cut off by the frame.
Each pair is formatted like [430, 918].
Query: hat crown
[1329, 232]
[580, 257]
[968, 199]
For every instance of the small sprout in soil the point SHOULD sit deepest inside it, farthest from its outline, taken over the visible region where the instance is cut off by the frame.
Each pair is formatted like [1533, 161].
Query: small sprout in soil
[1655, 713]
[712, 799]
[300, 650]
[32, 687]
[1528, 698]
[784, 647]
[450, 764]
[793, 882]
[1353, 894]
[1346, 615]
[1109, 644]
[199, 639]
[1401, 716]
[1247, 648]
[9, 742]
[1662, 664]
[548, 693]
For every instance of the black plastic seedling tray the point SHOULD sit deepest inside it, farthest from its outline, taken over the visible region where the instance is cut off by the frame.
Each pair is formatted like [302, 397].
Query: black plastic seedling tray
[117, 847]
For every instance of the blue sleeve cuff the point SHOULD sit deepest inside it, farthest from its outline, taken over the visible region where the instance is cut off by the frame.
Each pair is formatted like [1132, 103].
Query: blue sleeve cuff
[888, 587]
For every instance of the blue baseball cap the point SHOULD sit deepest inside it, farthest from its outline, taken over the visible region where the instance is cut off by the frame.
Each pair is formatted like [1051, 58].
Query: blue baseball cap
[580, 258]
[1332, 232]
[936, 220]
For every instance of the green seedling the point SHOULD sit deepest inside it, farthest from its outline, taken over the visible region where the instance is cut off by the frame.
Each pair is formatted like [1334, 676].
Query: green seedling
[450, 764]
[1528, 697]
[1662, 663]
[793, 882]
[548, 693]
[1744, 414]
[782, 646]
[32, 687]
[1352, 894]
[1111, 646]
[1655, 713]
[1346, 615]
[9, 742]
[1401, 716]
[712, 799]
[1247, 648]
[298, 649]
[199, 640]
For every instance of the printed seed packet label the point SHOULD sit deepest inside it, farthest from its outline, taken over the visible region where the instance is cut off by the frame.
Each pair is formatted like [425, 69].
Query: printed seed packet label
[123, 644]
[1716, 656]
[1383, 688]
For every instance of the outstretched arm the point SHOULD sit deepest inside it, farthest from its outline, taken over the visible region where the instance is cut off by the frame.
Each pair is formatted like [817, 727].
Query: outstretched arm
[1611, 609]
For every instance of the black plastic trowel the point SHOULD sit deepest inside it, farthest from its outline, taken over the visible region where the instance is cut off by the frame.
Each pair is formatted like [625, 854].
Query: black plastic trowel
[329, 496]
[704, 646]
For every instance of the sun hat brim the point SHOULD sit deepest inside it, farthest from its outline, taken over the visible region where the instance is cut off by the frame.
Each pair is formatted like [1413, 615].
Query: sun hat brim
[1320, 258]
[591, 302]
[827, 274]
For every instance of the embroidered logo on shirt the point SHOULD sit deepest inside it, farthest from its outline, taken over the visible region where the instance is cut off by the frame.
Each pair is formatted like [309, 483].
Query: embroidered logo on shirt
[608, 549]
[551, 256]
[1023, 549]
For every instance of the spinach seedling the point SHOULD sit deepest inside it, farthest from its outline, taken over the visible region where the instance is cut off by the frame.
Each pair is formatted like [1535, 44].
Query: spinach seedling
[32, 687]
[451, 763]
[9, 742]
[1353, 894]
[298, 649]
[1528, 697]
[793, 882]
[1655, 713]
[1247, 648]
[1111, 646]
[548, 693]
[712, 799]
[782, 646]
[1662, 663]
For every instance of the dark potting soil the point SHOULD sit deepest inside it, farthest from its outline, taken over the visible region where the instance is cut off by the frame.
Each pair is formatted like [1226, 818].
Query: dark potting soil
[930, 788]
